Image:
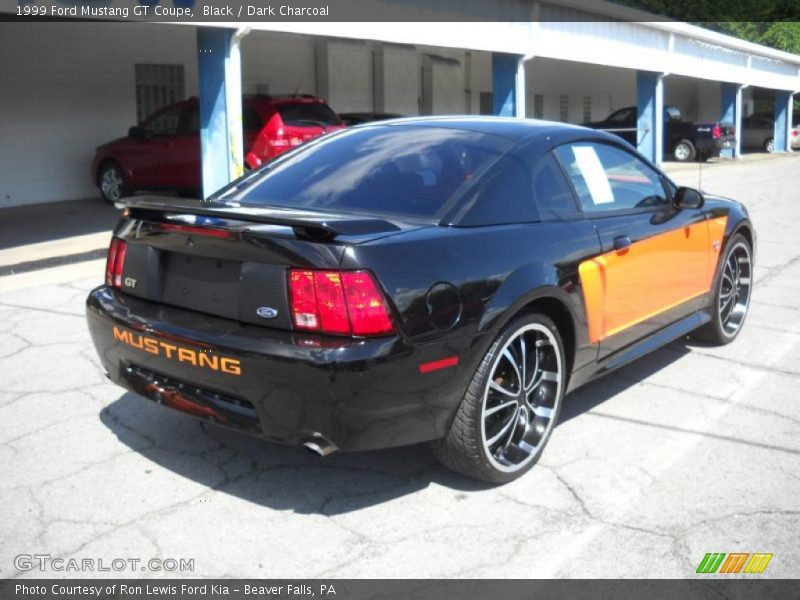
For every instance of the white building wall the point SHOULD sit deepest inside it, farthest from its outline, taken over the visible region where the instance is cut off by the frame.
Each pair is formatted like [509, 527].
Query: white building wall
[699, 100]
[350, 76]
[398, 79]
[608, 88]
[606, 43]
[443, 85]
[68, 89]
[277, 63]
[480, 79]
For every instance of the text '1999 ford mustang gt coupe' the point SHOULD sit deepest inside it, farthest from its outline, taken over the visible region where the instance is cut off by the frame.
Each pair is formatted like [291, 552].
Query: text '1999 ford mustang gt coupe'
[434, 279]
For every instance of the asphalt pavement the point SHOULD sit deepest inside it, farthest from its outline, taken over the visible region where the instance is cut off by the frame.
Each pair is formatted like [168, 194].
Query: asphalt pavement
[694, 449]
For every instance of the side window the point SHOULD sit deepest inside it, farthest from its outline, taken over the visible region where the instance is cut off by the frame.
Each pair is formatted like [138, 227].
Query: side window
[623, 116]
[502, 197]
[552, 193]
[164, 124]
[672, 113]
[190, 121]
[607, 178]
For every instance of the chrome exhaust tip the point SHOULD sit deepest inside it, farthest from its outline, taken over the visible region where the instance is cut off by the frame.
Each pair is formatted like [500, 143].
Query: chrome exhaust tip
[319, 445]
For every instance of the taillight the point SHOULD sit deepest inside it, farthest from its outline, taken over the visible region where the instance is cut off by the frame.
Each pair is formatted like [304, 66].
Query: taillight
[794, 132]
[338, 302]
[304, 300]
[716, 133]
[368, 314]
[115, 262]
[330, 302]
[276, 140]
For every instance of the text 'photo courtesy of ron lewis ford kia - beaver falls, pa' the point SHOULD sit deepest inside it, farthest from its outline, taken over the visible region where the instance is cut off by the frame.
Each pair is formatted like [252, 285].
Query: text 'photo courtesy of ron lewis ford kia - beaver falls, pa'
[442, 280]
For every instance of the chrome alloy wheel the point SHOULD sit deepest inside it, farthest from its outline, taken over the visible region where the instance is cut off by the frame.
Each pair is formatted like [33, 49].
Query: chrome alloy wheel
[735, 287]
[111, 184]
[520, 400]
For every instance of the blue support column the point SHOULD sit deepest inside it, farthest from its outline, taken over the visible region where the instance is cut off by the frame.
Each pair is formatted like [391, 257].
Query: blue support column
[220, 107]
[783, 116]
[729, 113]
[650, 115]
[504, 84]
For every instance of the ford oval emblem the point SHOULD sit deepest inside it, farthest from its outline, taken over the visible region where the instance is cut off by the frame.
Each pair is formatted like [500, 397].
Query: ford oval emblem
[266, 312]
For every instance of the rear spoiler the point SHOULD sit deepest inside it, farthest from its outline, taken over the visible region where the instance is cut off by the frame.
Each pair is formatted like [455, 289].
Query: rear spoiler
[304, 223]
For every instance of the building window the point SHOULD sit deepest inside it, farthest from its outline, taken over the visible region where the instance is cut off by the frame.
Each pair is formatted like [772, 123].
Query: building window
[538, 106]
[587, 108]
[563, 105]
[156, 87]
[486, 101]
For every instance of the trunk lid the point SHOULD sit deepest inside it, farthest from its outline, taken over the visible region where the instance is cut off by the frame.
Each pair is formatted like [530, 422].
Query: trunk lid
[230, 260]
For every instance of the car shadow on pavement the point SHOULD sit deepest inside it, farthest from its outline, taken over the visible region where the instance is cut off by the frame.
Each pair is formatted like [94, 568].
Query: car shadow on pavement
[292, 478]
[273, 475]
[595, 393]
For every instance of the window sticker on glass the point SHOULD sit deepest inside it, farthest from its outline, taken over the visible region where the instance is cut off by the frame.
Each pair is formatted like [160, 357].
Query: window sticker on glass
[593, 174]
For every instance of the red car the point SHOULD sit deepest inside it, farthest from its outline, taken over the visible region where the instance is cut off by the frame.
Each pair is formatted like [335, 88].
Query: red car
[164, 152]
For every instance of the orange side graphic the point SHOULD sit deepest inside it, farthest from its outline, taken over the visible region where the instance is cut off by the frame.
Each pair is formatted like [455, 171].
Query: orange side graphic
[626, 287]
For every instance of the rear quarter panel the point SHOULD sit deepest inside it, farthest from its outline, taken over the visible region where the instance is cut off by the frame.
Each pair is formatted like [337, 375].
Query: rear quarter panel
[496, 271]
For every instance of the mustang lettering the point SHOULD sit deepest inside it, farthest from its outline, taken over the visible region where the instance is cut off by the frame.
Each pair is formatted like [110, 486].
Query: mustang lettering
[185, 355]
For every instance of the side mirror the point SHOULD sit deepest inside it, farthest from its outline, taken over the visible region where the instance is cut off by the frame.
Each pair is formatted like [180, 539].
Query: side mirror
[137, 133]
[686, 197]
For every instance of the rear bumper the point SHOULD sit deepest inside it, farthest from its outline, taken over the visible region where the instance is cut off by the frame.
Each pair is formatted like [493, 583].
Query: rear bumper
[714, 147]
[284, 386]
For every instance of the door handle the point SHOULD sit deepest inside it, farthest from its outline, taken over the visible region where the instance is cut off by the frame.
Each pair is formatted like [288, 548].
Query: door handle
[622, 242]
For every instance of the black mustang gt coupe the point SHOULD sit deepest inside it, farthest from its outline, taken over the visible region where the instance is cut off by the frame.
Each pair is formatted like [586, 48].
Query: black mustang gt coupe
[433, 279]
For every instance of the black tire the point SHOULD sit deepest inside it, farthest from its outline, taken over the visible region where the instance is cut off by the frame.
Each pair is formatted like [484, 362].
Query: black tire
[465, 448]
[112, 183]
[722, 329]
[684, 151]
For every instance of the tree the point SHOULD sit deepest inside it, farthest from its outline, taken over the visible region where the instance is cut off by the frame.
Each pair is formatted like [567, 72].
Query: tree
[774, 23]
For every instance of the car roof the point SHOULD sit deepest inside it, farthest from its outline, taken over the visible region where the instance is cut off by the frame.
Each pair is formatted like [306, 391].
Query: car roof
[257, 99]
[512, 128]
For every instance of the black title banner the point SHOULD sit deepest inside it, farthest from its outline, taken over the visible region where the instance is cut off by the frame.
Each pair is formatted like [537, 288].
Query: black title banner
[398, 10]
[405, 589]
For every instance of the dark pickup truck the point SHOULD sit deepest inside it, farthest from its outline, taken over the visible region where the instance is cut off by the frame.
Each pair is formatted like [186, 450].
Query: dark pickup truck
[684, 141]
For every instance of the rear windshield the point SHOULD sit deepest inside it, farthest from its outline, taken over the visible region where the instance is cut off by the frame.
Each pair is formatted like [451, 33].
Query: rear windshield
[308, 114]
[404, 170]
